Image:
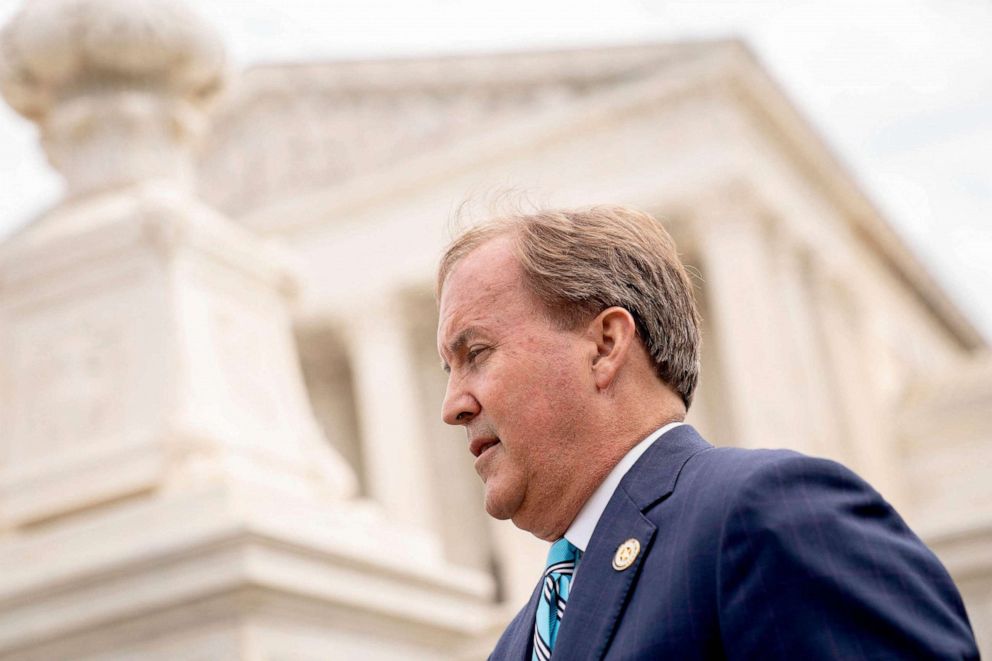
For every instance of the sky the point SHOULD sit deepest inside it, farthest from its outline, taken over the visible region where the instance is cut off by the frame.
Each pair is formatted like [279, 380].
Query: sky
[900, 90]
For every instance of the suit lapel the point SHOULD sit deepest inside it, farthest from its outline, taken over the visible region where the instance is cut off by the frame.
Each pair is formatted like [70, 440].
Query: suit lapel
[600, 592]
[519, 646]
[654, 475]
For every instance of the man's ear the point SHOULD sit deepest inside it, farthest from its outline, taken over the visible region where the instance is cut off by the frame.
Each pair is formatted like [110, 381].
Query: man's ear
[614, 332]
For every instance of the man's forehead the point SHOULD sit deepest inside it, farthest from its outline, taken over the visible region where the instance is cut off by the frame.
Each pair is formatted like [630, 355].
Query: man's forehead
[469, 315]
[493, 257]
[475, 293]
[479, 278]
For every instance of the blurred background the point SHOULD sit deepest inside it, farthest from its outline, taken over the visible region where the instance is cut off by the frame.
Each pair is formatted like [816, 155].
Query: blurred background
[219, 394]
[899, 90]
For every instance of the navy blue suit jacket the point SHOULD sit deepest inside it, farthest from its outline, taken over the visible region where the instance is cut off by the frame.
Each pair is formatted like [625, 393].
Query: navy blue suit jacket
[752, 554]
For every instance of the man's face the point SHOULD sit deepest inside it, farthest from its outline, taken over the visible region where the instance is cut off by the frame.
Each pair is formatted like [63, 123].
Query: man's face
[516, 383]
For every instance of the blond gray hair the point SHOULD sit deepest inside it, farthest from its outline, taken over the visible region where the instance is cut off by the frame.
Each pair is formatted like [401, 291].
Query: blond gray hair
[580, 262]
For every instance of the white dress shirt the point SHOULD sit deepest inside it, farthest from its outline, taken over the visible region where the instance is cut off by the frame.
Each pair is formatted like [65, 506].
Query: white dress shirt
[582, 527]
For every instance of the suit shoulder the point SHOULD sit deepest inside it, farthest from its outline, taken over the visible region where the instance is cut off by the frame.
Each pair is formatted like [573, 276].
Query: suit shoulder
[813, 543]
[763, 485]
[736, 469]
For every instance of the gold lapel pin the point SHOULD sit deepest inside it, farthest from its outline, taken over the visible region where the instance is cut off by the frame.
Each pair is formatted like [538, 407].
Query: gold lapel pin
[626, 554]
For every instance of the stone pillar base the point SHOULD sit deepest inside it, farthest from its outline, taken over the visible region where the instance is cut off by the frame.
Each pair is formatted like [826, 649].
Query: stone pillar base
[220, 575]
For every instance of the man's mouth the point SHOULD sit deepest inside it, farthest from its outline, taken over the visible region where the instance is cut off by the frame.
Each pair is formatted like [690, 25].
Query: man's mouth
[479, 445]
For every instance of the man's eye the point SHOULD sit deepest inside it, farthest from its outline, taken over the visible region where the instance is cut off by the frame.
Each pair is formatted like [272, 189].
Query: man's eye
[473, 353]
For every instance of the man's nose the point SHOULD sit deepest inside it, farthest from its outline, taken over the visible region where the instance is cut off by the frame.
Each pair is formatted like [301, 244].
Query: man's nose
[459, 406]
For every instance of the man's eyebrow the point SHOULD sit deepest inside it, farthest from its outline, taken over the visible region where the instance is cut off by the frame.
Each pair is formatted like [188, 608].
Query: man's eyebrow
[458, 344]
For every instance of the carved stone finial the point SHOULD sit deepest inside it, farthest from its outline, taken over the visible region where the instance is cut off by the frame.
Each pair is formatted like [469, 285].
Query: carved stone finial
[117, 86]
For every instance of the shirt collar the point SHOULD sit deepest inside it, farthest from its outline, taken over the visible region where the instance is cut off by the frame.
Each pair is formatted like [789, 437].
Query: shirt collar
[584, 524]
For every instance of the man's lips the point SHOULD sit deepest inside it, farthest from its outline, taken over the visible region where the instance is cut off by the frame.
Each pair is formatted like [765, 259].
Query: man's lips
[479, 445]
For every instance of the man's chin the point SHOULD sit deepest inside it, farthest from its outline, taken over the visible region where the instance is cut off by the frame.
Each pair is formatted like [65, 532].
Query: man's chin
[499, 507]
[498, 512]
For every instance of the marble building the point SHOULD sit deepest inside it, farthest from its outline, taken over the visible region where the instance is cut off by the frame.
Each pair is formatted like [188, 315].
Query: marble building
[219, 395]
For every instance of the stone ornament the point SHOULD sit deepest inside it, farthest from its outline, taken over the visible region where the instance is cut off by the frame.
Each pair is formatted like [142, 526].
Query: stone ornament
[52, 45]
[99, 75]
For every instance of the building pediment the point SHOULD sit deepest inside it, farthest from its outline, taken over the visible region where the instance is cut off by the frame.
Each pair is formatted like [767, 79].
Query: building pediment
[289, 129]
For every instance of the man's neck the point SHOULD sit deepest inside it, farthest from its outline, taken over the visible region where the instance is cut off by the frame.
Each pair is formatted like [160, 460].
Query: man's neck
[581, 528]
[604, 455]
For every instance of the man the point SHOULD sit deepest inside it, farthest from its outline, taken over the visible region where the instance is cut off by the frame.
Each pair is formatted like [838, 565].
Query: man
[572, 343]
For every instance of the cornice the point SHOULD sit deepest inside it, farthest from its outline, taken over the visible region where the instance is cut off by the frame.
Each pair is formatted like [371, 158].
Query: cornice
[289, 130]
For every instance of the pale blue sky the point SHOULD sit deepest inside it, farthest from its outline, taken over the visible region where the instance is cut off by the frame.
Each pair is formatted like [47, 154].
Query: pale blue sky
[902, 90]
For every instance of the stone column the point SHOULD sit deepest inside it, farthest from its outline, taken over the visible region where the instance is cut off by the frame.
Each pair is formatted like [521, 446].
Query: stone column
[748, 320]
[808, 367]
[390, 414]
[863, 437]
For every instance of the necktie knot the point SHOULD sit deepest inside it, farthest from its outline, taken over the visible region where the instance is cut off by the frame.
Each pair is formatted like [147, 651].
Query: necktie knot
[556, 584]
[563, 551]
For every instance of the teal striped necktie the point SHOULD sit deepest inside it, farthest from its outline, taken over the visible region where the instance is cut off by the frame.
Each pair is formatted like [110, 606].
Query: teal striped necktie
[562, 560]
